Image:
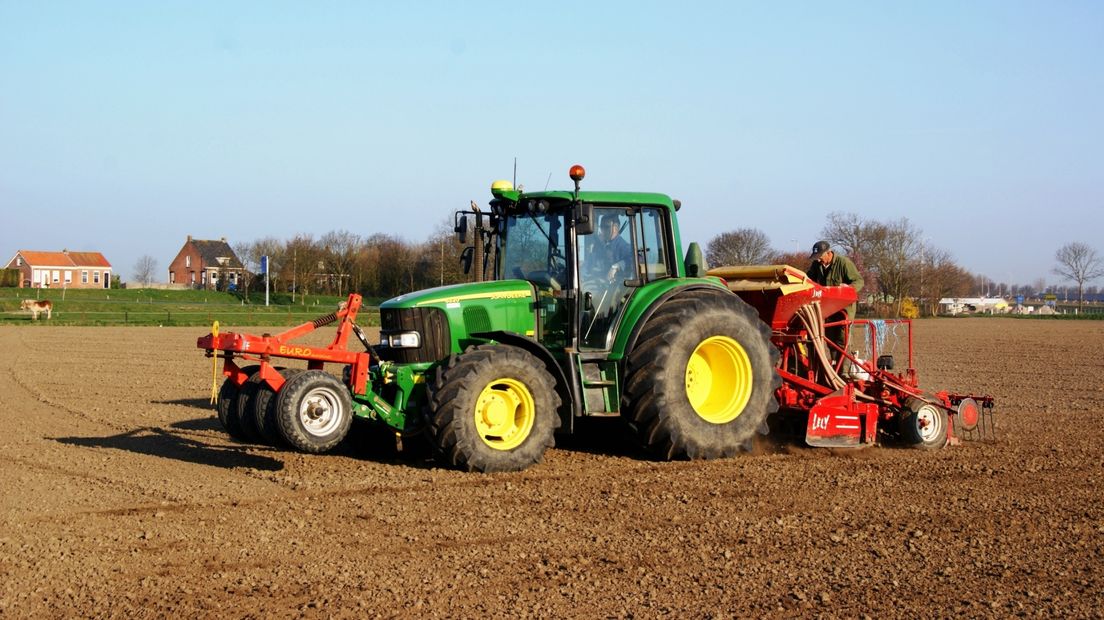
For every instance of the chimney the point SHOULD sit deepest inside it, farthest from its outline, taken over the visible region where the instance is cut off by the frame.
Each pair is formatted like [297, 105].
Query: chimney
[189, 238]
[222, 239]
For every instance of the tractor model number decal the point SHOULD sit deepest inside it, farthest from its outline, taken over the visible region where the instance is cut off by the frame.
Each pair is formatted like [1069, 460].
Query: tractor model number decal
[286, 350]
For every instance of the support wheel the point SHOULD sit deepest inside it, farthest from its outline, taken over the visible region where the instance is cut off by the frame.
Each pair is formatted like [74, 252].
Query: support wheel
[492, 408]
[700, 379]
[923, 425]
[263, 411]
[314, 411]
[229, 397]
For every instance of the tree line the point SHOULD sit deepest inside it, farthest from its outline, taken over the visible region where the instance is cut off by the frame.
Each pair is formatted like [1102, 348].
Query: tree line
[898, 262]
[896, 259]
[340, 262]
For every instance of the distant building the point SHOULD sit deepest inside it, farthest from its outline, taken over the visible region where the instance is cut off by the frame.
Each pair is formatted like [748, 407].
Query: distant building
[62, 269]
[205, 263]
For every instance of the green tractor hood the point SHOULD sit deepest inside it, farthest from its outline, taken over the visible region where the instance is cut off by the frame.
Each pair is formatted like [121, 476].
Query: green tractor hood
[479, 307]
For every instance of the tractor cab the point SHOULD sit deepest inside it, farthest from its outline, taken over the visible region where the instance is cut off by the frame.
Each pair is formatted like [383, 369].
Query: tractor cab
[585, 253]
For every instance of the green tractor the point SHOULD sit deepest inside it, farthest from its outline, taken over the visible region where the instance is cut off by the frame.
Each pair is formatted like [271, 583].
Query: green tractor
[585, 306]
[590, 309]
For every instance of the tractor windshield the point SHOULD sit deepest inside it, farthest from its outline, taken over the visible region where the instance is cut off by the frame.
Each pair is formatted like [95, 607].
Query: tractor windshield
[532, 247]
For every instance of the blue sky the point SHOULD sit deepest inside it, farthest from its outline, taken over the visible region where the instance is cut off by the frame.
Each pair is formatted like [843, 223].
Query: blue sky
[126, 126]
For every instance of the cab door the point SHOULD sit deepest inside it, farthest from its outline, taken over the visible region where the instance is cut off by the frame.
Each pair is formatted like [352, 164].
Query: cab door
[608, 272]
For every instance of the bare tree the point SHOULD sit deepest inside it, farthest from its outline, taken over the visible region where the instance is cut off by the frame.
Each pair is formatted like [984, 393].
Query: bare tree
[744, 246]
[342, 247]
[144, 270]
[1078, 262]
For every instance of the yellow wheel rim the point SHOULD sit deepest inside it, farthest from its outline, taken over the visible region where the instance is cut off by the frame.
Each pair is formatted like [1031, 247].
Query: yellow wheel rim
[719, 379]
[504, 414]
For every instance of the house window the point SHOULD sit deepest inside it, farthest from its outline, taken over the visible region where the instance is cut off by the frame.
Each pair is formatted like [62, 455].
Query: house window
[18, 261]
[203, 277]
[95, 277]
[193, 276]
[68, 276]
[57, 276]
[37, 278]
[84, 277]
[232, 280]
[172, 277]
[187, 262]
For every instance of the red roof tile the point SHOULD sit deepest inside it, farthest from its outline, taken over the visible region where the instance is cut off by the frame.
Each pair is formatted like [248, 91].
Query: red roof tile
[64, 259]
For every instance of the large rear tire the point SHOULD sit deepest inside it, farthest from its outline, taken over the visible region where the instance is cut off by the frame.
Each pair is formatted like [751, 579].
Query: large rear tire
[701, 378]
[492, 408]
[314, 411]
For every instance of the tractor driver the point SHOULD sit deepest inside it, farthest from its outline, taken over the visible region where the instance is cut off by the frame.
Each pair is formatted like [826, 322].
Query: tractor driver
[831, 269]
[607, 263]
[611, 254]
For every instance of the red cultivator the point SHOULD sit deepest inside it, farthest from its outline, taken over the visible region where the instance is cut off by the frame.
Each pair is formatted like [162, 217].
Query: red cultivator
[846, 395]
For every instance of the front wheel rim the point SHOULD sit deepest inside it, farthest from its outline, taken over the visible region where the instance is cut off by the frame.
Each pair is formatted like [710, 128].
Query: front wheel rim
[504, 414]
[320, 412]
[719, 379]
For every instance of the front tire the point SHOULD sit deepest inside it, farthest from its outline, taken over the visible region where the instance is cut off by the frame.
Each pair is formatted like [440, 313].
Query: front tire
[492, 408]
[314, 411]
[701, 379]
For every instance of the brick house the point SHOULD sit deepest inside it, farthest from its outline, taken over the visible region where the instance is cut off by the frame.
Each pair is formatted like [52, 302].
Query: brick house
[204, 263]
[62, 269]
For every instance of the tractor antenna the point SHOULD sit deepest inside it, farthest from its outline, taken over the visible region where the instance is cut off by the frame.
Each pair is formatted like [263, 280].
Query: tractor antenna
[515, 171]
[548, 181]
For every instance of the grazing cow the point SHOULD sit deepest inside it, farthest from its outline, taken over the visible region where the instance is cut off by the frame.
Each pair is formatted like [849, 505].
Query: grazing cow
[37, 307]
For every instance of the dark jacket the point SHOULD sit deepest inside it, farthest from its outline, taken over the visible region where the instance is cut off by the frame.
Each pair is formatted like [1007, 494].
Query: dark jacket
[840, 271]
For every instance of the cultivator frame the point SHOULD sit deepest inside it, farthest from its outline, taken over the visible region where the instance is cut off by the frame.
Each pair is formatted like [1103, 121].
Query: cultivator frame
[262, 349]
[847, 401]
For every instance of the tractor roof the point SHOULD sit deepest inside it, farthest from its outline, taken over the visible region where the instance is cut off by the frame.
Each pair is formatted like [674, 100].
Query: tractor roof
[625, 198]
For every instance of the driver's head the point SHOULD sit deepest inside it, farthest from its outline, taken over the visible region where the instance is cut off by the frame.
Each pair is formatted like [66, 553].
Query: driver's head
[610, 226]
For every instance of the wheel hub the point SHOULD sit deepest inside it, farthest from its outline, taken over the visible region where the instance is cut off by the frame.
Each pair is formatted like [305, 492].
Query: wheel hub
[504, 414]
[719, 379]
[320, 412]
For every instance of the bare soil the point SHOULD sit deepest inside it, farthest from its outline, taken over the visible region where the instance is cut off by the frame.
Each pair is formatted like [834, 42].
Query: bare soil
[122, 496]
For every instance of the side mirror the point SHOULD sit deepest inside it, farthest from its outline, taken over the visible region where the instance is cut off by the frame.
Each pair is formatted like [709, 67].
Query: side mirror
[584, 219]
[466, 258]
[461, 230]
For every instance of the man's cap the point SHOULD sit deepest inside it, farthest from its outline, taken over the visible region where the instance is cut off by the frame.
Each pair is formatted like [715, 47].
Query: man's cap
[819, 248]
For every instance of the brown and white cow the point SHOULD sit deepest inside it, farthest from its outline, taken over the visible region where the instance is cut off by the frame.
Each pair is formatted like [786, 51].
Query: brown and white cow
[38, 307]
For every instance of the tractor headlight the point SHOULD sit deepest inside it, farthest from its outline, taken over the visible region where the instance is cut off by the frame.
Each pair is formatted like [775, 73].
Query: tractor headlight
[404, 340]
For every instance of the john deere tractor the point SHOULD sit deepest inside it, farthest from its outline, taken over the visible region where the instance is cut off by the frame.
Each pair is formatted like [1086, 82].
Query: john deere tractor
[565, 327]
[584, 305]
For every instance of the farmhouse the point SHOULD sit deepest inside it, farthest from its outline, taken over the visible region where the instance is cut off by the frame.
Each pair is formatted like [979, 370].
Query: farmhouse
[62, 269]
[206, 264]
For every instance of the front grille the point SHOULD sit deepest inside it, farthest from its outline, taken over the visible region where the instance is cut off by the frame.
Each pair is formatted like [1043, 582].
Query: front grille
[431, 323]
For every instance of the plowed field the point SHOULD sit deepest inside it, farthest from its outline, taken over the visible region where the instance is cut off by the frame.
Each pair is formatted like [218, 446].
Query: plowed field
[121, 496]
